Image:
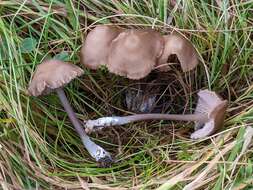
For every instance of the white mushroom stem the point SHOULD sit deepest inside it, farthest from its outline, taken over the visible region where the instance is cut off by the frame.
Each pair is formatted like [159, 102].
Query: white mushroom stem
[93, 125]
[95, 151]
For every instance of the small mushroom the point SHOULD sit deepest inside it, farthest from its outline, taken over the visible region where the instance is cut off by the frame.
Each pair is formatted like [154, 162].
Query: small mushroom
[95, 49]
[52, 75]
[209, 116]
[182, 48]
[134, 53]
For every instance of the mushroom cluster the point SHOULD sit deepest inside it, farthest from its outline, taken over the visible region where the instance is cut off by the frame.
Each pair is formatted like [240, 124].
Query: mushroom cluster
[133, 54]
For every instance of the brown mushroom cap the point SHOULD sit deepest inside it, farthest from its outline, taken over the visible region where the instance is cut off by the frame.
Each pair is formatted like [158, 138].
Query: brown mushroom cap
[95, 49]
[211, 104]
[52, 74]
[134, 53]
[186, 53]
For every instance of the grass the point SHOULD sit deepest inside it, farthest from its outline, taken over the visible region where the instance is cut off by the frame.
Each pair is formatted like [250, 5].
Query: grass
[39, 148]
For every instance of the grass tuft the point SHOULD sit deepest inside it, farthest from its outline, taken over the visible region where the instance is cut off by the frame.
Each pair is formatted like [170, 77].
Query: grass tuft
[39, 148]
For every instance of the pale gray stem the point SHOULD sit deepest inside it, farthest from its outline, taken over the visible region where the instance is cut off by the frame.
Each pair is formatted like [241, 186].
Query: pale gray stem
[95, 151]
[100, 123]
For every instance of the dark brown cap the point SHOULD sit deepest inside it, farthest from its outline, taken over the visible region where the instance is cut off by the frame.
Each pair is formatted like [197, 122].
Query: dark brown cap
[52, 74]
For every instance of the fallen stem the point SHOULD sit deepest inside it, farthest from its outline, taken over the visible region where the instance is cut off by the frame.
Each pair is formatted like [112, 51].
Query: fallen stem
[100, 123]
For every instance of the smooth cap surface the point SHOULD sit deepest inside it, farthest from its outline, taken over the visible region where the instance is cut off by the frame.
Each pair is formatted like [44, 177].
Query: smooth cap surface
[52, 74]
[95, 49]
[211, 104]
[134, 53]
[182, 48]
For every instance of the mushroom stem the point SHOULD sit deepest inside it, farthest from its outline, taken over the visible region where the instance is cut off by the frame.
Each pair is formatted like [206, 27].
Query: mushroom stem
[95, 151]
[102, 122]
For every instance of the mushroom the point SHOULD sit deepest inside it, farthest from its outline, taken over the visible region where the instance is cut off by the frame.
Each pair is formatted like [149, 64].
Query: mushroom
[182, 48]
[52, 75]
[209, 116]
[95, 49]
[134, 53]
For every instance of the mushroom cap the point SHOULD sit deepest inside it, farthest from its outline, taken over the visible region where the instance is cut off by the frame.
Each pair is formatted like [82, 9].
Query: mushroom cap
[211, 104]
[52, 74]
[95, 49]
[134, 53]
[186, 53]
